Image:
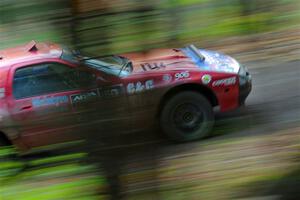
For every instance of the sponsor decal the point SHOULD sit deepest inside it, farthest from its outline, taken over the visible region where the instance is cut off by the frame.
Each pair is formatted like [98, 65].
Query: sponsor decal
[182, 75]
[149, 84]
[139, 86]
[110, 92]
[206, 78]
[152, 66]
[49, 101]
[84, 96]
[105, 92]
[225, 82]
[167, 78]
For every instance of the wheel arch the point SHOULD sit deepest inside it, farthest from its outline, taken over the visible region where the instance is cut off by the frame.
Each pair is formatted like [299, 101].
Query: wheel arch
[4, 139]
[205, 91]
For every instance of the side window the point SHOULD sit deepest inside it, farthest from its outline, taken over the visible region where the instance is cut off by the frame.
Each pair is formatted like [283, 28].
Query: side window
[48, 78]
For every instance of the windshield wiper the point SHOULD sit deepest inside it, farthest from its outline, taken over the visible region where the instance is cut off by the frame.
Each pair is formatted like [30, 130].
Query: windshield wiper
[84, 58]
[98, 65]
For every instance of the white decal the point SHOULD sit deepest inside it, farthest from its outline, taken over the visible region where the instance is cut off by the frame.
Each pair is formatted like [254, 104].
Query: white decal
[182, 75]
[149, 84]
[111, 91]
[206, 78]
[152, 66]
[114, 92]
[139, 86]
[130, 88]
[84, 96]
[225, 82]
[167, 78]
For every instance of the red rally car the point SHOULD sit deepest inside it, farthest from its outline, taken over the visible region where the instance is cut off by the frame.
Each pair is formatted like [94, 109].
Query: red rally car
[51, 94]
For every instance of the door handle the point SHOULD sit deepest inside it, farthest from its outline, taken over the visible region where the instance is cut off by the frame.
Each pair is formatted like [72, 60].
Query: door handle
[26, 107]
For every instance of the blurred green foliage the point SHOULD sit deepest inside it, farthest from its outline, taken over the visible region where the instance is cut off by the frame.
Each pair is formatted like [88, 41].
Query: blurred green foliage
[55, 177]
[225, 168]
[138, 26]
[135, 25]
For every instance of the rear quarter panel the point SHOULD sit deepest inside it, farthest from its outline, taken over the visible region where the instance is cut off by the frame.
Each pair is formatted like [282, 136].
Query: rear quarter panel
[6, 123]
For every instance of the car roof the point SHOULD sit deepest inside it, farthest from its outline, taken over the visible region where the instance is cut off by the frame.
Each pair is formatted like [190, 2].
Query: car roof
[28, 52]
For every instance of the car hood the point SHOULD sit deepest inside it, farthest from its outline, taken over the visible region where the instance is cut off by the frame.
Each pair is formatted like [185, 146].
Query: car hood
[176, 59]
[216, 61]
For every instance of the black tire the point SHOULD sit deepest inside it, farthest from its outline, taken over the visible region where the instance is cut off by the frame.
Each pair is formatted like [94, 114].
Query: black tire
[3, 141]
[187, 116]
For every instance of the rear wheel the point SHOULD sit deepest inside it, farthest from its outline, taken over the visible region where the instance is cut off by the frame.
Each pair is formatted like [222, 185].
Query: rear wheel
[4, 141]
[187, 116]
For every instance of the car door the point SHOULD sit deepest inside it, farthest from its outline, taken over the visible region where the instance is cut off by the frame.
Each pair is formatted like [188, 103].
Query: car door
[40, 101]
[102, 111]
[143, 97]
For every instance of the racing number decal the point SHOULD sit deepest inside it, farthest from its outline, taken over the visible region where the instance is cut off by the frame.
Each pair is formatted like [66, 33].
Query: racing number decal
[182, 75]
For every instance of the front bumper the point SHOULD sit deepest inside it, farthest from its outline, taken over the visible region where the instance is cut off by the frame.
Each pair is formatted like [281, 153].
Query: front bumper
[245, 86]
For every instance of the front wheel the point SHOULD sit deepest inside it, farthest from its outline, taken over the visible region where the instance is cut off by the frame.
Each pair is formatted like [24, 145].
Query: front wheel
[187, 116]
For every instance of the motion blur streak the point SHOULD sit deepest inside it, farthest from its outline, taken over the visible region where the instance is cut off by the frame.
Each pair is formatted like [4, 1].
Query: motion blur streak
[253, 153]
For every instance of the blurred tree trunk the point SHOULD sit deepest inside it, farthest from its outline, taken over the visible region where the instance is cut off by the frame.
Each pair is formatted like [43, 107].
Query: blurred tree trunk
[7, 18]
[248, 8]
[175, 22]
[145, 26]
[83, 10]
[74, 12]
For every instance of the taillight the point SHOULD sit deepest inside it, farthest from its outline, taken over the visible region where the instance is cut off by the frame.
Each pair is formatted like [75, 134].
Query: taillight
[2, 93]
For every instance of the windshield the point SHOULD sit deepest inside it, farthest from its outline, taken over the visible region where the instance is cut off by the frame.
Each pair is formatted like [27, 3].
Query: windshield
[114, 65]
